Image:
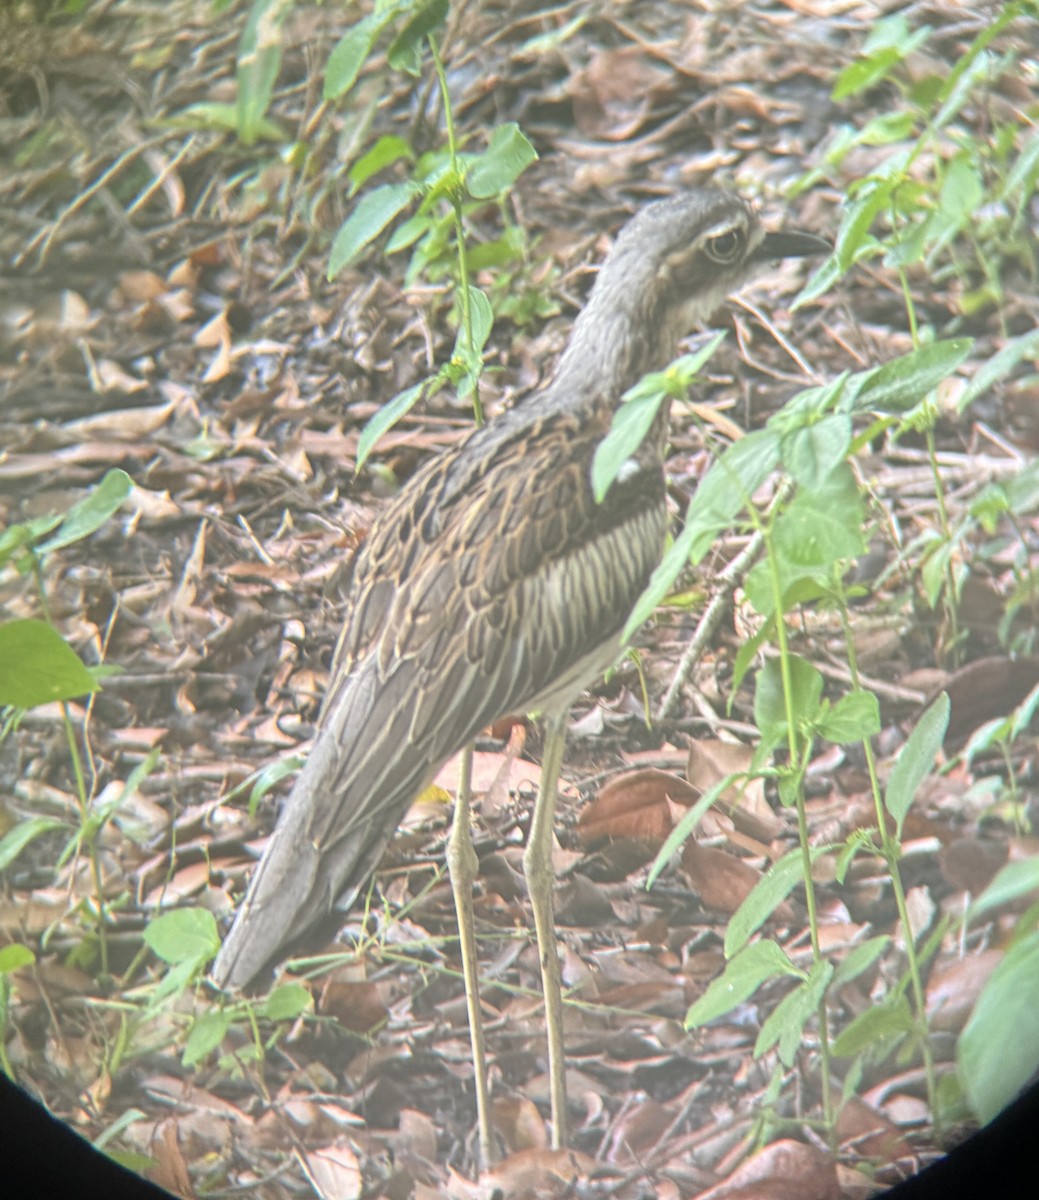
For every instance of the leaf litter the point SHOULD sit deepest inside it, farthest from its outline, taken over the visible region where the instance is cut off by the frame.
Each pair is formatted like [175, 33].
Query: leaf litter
[186, 333]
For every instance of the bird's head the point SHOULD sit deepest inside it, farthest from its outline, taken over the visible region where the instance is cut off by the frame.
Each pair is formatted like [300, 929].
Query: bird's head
[671, 266]
[685, 254]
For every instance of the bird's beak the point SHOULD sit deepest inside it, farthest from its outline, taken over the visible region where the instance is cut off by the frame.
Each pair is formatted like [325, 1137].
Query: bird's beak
[790, 243]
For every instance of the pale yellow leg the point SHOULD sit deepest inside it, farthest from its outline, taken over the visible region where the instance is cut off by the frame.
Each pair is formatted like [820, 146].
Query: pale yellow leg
[463, 867]
[537, 868]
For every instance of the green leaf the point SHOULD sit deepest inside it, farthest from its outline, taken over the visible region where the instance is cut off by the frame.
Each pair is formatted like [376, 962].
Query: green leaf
[348, 54]
[865, 72]
[117, 1127]
[38, 666]
[482, 316]
[640, 405]
[862, 211]
[875, 1028]
[742, 977]
[901, 384]
[16, 538]
[408, 233]
[506, 158]
[786, 1023]
[25, 832]
[854, 718]
[819, 282]
[886, 128]
[259, 61]
[287, 1002]
[770, 700]
[727, 487]
[386, 417]
[261, 781]
[820, 529]
[90, 513]
[770, 891]
[631, 423]
[15, 956]
[893, 31]
[861, 840]
[371, 214]
[964, 80]
[1013, 881]
[501, 252]
[860, 959]
[1023, 173]
[961, 193]
[206, 1034]
[405, 52]
[185, 936]
[916, 759]
[812, 451]
[999, 1046]
[719, 497]
[1022, 489]
[206, 115]
[810, 405]
[999, 366]
[387, 150]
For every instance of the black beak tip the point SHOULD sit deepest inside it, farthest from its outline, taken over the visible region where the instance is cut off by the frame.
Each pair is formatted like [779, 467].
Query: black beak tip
[791, 243]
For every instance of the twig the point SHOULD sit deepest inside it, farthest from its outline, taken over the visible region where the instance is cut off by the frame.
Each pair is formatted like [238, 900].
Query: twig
[709, 622]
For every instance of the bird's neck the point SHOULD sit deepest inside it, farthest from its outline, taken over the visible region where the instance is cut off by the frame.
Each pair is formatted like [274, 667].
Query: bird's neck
[624, 332]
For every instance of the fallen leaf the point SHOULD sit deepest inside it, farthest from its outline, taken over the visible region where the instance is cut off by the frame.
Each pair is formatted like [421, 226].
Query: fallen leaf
[333, 1171]
[637, 805]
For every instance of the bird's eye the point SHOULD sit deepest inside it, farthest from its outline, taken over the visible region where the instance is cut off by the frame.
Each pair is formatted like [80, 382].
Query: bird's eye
[726, 247]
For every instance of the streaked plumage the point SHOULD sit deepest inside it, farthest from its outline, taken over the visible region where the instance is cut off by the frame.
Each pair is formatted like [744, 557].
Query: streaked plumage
[494, 583]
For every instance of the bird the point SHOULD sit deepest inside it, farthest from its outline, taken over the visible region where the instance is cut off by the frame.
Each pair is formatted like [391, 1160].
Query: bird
[495, 583]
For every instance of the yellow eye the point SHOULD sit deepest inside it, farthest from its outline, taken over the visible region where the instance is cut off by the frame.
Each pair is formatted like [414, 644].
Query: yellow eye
[726, 247]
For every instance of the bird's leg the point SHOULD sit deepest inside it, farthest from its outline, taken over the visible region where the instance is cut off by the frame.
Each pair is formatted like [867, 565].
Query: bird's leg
[463, 866]
[537, 868]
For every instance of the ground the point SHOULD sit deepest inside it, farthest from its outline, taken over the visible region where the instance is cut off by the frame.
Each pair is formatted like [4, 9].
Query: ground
[166, 312]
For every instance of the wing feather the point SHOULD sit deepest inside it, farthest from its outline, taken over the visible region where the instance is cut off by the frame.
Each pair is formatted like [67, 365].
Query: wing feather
[490, 583]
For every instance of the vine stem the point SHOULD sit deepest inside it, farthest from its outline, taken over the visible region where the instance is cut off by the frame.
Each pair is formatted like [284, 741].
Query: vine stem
[456, 208]
[798, 762]
[891, 852]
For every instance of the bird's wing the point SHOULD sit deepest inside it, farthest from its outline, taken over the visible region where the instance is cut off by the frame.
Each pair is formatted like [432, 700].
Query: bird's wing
[489, 584]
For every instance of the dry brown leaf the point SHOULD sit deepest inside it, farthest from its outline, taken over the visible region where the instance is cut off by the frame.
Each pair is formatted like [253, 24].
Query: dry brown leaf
[635, 805]
[987, 688]
[187, 881]
[661, 999]
[111, 377]
[139, 286]
[215, 332]
[613, 95]
[183, 597]
[639, 1130]
[785, 1170]
[953, 989]
[721, 880]
[495, 774]
[121, 424]
[710, 761]
[355, 1005]
[538, 1174]
[971, 863]
[518, 1123]
[171, 1169]
[333, 1171]
[416, 1135]
[867, 1132]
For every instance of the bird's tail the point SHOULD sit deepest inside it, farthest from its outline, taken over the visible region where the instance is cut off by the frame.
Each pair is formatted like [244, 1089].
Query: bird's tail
[359, 778]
